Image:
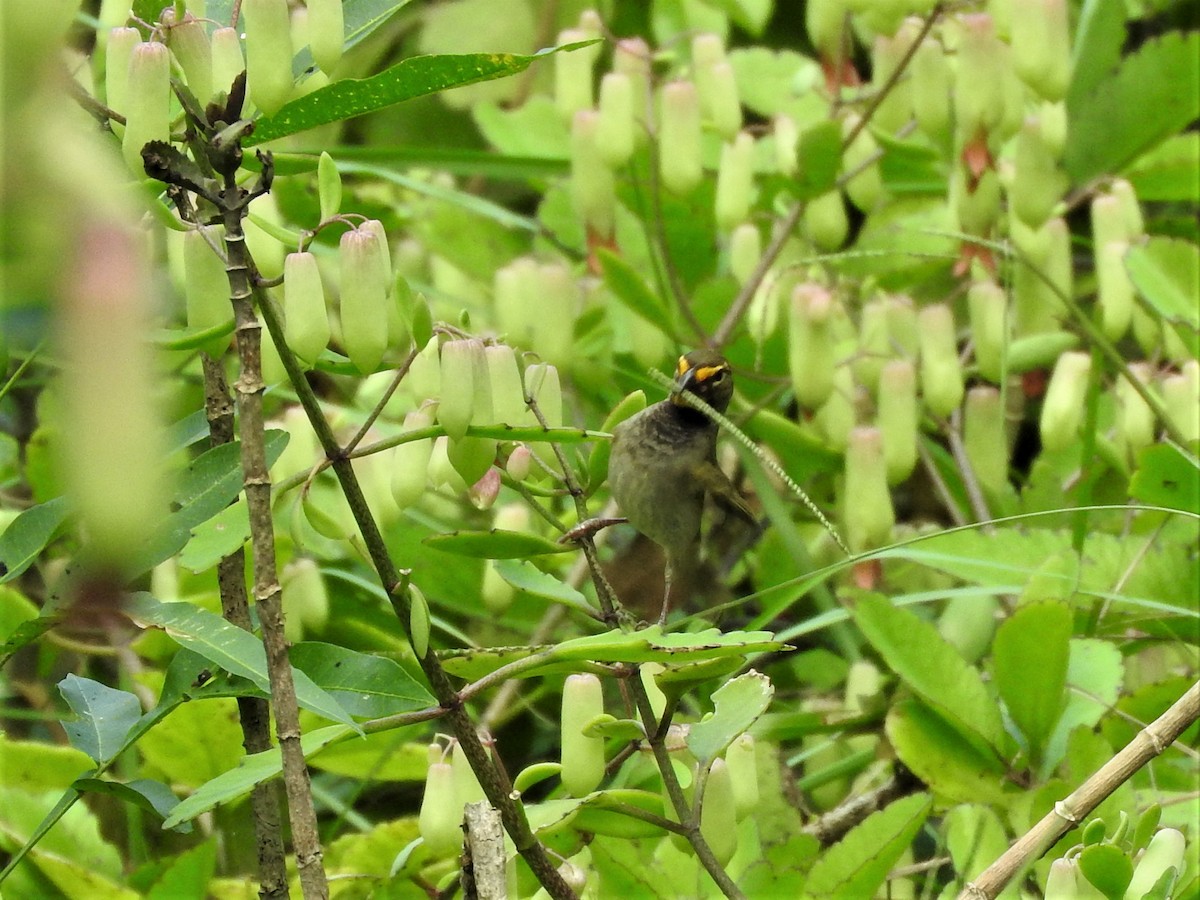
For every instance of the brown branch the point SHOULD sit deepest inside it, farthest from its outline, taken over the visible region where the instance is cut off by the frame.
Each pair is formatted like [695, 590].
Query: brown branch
[1146, 744]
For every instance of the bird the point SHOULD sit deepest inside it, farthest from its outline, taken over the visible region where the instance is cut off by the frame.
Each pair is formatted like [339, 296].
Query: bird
[663, 463]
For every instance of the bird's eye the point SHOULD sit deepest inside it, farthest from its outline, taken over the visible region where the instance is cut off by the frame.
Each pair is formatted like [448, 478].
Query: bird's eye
[719, 376]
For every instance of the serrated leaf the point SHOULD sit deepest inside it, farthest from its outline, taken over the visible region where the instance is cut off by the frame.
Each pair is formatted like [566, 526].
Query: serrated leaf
[152, 796]
[1030, 656]
[228, 647]
[931, 667]
[1169, 172]
[413, 77]
[737, 705]
[1166, 271]
[525, 576]
[940, 756]
[1165, 477]
[819, 159]
[365, 685]
[105, 716]
[494, 544]
[630, 288]
[1153, 94]
[28, 534]
[859, 863]
[1096, 50]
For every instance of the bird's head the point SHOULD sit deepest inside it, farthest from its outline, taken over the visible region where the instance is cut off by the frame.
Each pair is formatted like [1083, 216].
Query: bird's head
[706, 374]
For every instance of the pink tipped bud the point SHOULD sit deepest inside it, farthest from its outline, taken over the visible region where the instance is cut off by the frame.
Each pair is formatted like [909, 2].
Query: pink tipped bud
[189, 43]
[227, 59]
[118, 53]
[941, 371]
[866, 502]
[148, 117]
[985, 439]
[1038, 183]
[987, 306]
[363, 304]
[679, 137]
[615, 136]
[811, 346]
[898, 418]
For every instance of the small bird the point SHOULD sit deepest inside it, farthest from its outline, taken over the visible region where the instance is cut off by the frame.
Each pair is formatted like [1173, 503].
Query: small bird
[664, 461]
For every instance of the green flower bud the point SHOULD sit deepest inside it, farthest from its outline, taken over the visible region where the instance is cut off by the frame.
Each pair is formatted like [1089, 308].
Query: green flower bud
[718, 815]
[1041, 46]
[825, 221]
[188, 41]
[301, 450]
[811, 347]
[463, 365]
[1181, 396]
[555, 304]
[363, 303]
[573, 75]
[898, 418]
[542, 384]
[582, 755]
[1164, 852]
[874, 344]
[472, 458]
[720, 104]
[1135, 419]
[326, 510]
[117, 56]
[745, 249]
[504, 376]
[514, 286]
[1039, 351]
[1053, 117]
[979, 99]
[1063, 407]
[326, 31]
[329, 186]
[148, 117]
[496, 593]
[268, 53]
[305, 599]
[374, 473]
[836, 416]
[206, 286]
[418, 621]
[866, 501]
[902, 330]
[1038, 183]
[1062, 880]
[466, 785]
[941, 371]
[886, 55]
[425, 373]
[440, 818]
[306, 324]
[266, 238]
[441, 471]
[1114, 290]
[1131, 211]
[735, 182]
[825, 22]
[632, 57]
[615, 135]
[979, 208]
[985, 439]
[227, 59]
[1110, 220]
[410, 462]
[593, 191]
[987, 307]
[787, 136]
[865, 188]
[932, 80]
[680, 166]
[743, 775]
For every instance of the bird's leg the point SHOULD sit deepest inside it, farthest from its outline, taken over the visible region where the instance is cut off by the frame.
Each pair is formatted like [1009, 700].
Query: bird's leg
[589, 528]
[666, 604]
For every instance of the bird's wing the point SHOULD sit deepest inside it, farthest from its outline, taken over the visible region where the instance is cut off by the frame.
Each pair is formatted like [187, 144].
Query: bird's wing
[717, 484]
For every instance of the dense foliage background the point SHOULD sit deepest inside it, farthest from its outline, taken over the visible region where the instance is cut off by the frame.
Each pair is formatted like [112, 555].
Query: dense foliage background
[952, 253]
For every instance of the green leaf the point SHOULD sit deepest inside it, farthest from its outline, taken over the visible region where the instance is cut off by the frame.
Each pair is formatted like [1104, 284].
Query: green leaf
[1030, 655]
[216, 538]
[1108, 868]
[27, 535]
[414, 77]
[1096, 50]
[494, 544]
[187, 874]
[820, 159]
[975, 838]
[597, 467]
[26, 633]
[251, 770]
[931, 668]
[106, 716]
[940, 756]
[381, 756]
[858, 864]
[1166, 477]
[525, 576]
[629, 287]
[228, 647]
[365, 685]
[37, 766]
[1166, 271]
[737, 705]
[1170, 172]
[1095, 666]
[152, 796]
[1153, 94]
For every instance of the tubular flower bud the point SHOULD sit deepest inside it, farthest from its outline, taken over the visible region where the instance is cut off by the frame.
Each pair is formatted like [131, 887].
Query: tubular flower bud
[836, 416]
[496, 593]
[363, 304]
[1062, 880]
[148, 117]
[886, 54]
[466, 785]
[901, 317]
[743, 775]
[941, 370]
[874, 344]
[206, 286]
[1135, 419]
[1110, 220]
[227, 59]
[188, 41]
[811, 344]
[593, 192]
[555, 303]
[1038, 183]
[745, 249]
[932, 80]
[410, 461]
[513, 286]
[631, 57]
[825, 21]
[1164, 852]
[825, 221]
[582, 755]
[305, 599]
[1114, 290]
[1131, 212]
[866, 501]
[117, 55]
[979, 87]
[418, 621]
[268, 53]
[1181, 396]
[326, 31]
[984, 438]
[977, 207]
[425, 373]
[1062, 409]
[614, 135]
[719, 100]
[1041, 46]
[508, 399]
[679, 137]
[989, 328]
[463, 363]
[865, 188]
[898, 418]
[573, 74]
[329, 186]
[440, 819]
[735, 182]
[787, 135]
[718, 815]
[306, 325]
[1053, 117]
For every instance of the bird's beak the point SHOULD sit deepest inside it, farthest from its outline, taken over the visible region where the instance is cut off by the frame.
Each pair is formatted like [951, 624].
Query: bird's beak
[683, 382]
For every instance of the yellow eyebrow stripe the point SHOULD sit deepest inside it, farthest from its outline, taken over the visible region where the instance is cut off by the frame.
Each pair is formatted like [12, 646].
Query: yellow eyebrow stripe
[706, 372]
[681, 367]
